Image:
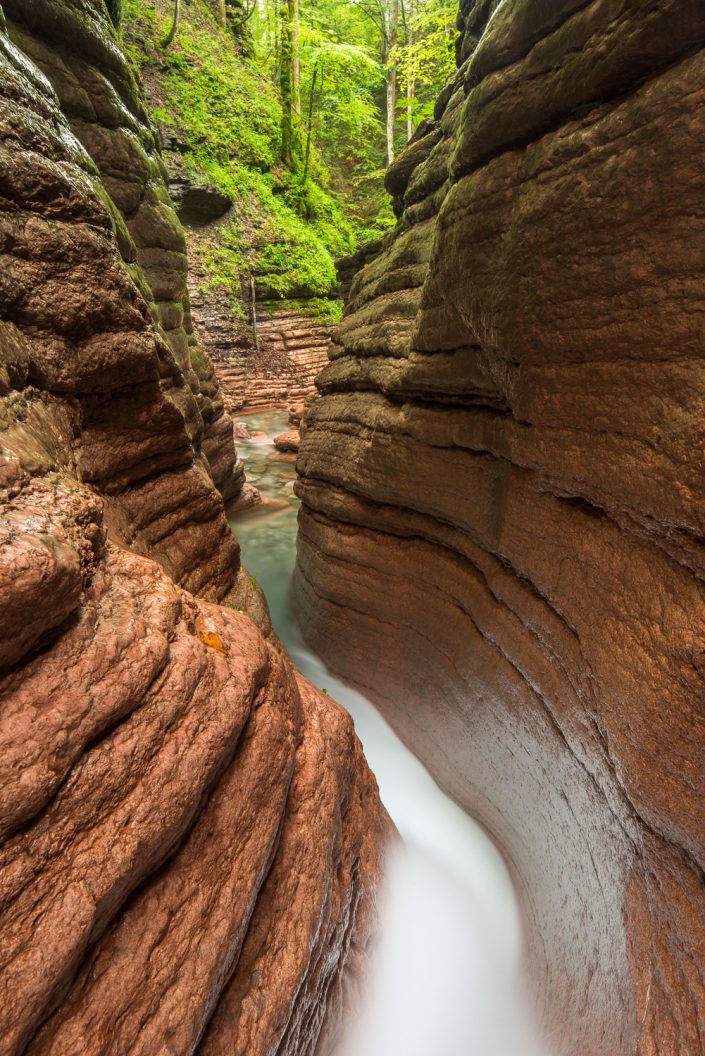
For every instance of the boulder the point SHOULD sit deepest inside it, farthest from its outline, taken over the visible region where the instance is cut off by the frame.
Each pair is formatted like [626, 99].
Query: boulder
[288, 442]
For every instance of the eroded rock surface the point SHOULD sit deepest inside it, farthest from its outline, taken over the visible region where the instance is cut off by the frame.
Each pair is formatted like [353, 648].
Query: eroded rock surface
[288, 442]
[189, 836]
[106, 113]
[502, 485]
[262, 366]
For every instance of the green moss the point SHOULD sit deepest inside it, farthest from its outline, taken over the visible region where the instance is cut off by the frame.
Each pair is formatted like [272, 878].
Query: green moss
[198, 363]
[327, 310]
[227, 119]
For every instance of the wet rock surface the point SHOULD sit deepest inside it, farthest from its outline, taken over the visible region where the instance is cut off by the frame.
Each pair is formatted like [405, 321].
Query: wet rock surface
[189, 834]
[502, 487]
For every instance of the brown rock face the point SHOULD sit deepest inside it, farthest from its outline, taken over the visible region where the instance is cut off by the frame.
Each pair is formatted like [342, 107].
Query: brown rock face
[292, 348]
[502, 486]
[189, 835]
[106, 113]
[288, 442]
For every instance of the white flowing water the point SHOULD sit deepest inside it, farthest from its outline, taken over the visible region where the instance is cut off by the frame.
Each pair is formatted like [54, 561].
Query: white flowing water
[445, 978]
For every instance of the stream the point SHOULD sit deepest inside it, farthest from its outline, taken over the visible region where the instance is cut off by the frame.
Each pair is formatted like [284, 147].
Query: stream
[445, 978]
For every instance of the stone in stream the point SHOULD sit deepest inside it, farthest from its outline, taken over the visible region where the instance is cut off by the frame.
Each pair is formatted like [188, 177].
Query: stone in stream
[190, 838]
[502, 492]
[288, 442]
[248, 499]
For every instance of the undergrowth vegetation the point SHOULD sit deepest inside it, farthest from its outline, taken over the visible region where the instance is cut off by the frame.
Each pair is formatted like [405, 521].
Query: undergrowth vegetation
[222, 118]
[292, 109]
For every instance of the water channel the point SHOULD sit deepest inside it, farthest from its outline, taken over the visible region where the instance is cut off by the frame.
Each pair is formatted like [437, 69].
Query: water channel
[445, 980]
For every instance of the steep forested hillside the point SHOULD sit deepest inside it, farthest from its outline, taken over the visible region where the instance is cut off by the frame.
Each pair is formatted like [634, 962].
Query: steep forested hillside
[281, 110]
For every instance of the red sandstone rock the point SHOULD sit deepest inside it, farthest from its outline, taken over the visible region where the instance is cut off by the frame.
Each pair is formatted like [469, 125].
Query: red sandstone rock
[110, 121]
[296, 411]
[502, 493]
[248, 498]
[241, 431]
[190, 839]
[288, 442]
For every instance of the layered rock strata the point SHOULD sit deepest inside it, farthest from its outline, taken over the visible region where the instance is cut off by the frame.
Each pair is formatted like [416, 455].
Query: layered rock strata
[228, 339]
[502, 526]
[272, 363]
[292, 351]
[189, 835]
[106, 113]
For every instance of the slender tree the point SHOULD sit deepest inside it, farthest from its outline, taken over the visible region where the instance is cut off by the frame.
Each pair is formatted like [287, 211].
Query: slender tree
[169, 38]
[218, 9]
[115, 11]
[391, 28]
[286, 83]
[411, 73]
[309, 123]
[296, 56]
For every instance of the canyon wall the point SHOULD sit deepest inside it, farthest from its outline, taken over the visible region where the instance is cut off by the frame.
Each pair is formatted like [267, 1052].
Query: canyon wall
[190, 838]
[264, 362]
[274, 363]
[501, 534]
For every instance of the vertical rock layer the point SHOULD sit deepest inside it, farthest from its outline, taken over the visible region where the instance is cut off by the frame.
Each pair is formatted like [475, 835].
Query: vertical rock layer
[502, 521]
[189, 835]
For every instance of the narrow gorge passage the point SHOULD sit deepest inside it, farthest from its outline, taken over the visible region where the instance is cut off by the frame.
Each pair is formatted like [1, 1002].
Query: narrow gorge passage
[445, 977]
[463, 243]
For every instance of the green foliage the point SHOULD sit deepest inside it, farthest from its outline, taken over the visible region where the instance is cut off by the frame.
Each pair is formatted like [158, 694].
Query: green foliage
[221, 104]
[425, 56]
[226, 116]
[345, 58]
[326, 311]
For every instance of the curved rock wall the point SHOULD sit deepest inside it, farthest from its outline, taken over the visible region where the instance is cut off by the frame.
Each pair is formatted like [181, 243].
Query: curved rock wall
[106, 113]
[189, 835]
[502, 521]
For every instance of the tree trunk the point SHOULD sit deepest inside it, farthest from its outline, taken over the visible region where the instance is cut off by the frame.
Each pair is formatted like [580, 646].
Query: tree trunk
[115, 11]
[391, 12]
[274, 28]
[309, 129]
[411, 76]
[218, 9]
[286, 83]
[295, 57]
[169, 38]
